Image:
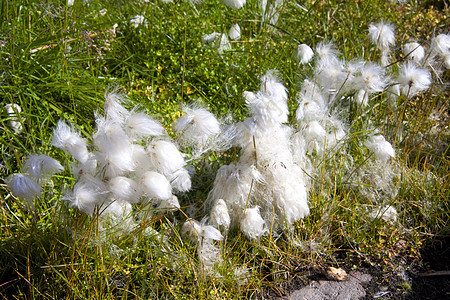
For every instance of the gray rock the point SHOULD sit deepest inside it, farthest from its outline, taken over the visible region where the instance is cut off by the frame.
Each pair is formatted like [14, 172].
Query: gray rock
[336, 290]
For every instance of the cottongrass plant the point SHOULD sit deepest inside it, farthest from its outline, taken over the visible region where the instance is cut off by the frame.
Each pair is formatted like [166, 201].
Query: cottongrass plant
[382, 35]
[13, 110]
[36, 170]
[132, 161]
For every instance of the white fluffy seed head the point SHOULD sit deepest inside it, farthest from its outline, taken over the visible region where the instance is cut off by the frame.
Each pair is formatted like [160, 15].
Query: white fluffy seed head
[165, 157]
[41, 166]
[235, 32]
[382, 149]
[23, 186]
[234, 3]
[110, 138]
[180, 180]
[66, 139]
[140, 125]
[440, 45]
[125, 188]
[304, 54]
[326, 56]
[196, 126]
[114, 111]
[219, 214]
[309, 110]
[13, 110]
[412, 79]
[372, 78]
[382, 35]
[268, 108]
[413, 51]
[252, 224]
[156, 186]
[271, 86]
[88, 194]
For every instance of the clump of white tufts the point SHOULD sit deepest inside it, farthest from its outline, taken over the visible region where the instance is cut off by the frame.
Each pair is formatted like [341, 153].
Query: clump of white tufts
[66, 139]
[380, 147]
[412, 79]
[413, 51]
[138, 20]
[252, 224]
[204, 236]
[89, 195]
[219, 214]
[235, 32]
[304, 54]
[234, 3]
[387, 213]
[382, 36]
[41, 166]
[125, 188]
[140, 125]
[156, 186]
[115, 156]
[23, 187]
[197, 127]
[217, 40]
[13, 110]
[165, 157]
[268, 107]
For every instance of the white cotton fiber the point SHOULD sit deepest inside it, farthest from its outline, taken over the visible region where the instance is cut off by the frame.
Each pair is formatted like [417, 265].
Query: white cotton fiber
[234, 32]
[23, 187]
[65, 138]
[180, 180]
[197, 125]
[125, 188]
[252, 224]
[171, 204]
[156, 186]
[219, 214]
[165, 157]
[380, 147]
[88, 194]
[41, 166]
[140, 125]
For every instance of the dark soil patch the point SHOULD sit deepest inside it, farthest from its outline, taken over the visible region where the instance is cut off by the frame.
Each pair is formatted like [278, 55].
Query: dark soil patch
[433, 279]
